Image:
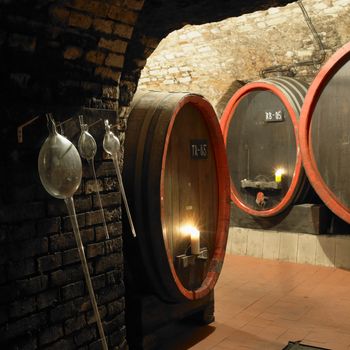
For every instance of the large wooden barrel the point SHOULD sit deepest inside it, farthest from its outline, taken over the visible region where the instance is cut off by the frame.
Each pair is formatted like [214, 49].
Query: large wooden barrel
[176, 179]
[260, 128]
[324, 133]
[222, 103]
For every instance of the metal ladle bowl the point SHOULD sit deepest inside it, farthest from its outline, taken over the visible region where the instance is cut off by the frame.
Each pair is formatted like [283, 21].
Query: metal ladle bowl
[86, 143]
[59, 164]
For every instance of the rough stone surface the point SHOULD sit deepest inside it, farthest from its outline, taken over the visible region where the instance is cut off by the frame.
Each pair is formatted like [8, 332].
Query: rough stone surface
[209, 59]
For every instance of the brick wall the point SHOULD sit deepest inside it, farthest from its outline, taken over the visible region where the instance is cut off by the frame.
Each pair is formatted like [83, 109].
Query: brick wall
[64, 57]
[212, 58]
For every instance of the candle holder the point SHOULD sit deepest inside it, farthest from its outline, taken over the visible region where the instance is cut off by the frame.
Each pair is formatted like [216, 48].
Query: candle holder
[190, 268]
[186, 260]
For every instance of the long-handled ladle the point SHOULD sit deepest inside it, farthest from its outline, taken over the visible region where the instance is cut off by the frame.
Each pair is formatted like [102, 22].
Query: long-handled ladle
[111, 146]
[87, 149]
[60, 172]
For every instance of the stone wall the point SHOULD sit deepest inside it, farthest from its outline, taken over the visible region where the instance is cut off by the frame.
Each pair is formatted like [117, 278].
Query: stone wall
[216, 58]
[161, 17]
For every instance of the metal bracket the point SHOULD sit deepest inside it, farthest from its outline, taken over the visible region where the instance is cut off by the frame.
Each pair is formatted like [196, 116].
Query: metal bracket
[184, 260]
[21, 127]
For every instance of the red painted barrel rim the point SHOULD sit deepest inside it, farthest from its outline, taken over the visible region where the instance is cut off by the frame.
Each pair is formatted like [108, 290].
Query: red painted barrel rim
[225, 121]
[210, 118]
[311, 99]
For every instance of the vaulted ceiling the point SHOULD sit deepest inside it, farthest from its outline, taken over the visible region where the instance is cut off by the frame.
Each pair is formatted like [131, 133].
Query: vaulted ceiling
[160, 17]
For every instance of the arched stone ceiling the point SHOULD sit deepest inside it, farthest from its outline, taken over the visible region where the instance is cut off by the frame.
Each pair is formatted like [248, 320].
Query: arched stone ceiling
[160, 17]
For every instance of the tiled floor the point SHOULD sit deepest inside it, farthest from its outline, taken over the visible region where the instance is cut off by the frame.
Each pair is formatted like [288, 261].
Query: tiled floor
[263, 304]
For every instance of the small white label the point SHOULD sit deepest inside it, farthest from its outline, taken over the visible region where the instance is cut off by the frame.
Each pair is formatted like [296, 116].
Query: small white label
[276, 116]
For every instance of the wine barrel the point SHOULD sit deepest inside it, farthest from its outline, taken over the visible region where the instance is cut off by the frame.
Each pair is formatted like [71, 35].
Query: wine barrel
[260, 128]
[177, 183]
[222, 103]
[324, 133]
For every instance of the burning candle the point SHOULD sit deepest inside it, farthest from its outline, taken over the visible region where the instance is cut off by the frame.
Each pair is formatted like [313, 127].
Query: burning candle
[278, 175]
[195, 246]
[189, 230]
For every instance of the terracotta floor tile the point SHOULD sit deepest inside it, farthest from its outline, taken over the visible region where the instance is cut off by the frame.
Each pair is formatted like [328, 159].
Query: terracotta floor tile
[273, 332]
[267, 300]
[254, 330]
[267, 316]
[223, 346]
[241, 319]
[251, 341]
[330, 337]
[264, 304]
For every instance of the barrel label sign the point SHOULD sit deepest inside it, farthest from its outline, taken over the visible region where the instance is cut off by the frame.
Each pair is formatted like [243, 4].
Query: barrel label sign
[276, 116]
[199, 149]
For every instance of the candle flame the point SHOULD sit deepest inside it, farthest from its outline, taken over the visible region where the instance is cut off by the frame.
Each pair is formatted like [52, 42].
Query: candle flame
[279, 172]
[190, 230]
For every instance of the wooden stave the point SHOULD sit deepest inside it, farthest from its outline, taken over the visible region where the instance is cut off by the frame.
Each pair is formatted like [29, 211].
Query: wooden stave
[134, 194]
[339, 58]
[169, 287]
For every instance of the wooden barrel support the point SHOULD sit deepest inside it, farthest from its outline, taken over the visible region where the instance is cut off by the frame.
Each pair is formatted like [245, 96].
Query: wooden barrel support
[260, 128]
[324, 133]
[176, 175]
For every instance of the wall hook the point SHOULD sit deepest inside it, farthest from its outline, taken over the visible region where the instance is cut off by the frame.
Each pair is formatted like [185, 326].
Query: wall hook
[21, 127]
[95, 122]
[62, 123]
